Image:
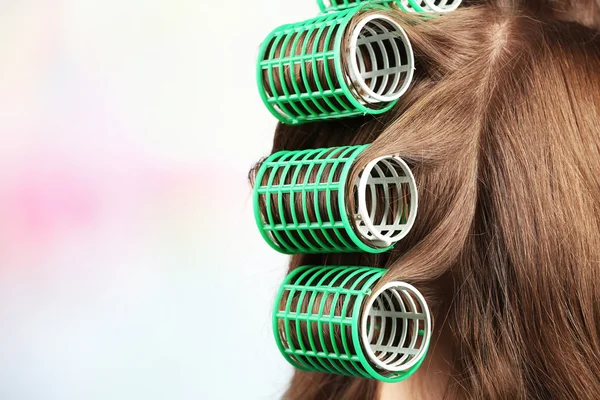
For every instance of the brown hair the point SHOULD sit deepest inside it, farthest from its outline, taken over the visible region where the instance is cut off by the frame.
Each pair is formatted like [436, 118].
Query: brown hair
[501, 129]
[586, 12]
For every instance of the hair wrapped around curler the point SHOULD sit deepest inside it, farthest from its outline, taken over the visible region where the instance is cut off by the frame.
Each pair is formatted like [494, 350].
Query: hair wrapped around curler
[320, 69]
[301, 201]
[326, 319]
[421, 6]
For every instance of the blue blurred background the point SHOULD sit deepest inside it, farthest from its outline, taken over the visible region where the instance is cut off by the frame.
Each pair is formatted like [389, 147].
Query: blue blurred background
[130, 266]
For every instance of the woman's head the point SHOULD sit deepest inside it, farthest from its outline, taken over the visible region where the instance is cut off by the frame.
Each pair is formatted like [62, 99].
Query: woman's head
[501, 130]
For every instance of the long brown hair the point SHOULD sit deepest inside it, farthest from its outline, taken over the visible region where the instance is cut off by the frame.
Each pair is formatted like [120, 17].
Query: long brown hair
[502, 130]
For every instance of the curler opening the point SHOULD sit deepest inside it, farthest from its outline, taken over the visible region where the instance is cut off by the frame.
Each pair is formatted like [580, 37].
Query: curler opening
[439, 6]
[381, 60]
[387, 201]
[396, 327]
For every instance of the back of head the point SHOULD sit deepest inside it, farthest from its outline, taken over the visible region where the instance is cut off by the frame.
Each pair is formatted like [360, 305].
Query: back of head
[501, 129]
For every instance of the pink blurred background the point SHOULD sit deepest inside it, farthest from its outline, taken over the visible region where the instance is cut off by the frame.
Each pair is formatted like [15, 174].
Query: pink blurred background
[130, 266]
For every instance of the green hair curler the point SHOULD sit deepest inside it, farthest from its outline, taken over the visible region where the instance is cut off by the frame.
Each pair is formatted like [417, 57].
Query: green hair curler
[338, 5]
[305, 72]
[301, 201]
[428, 6]
[421, 6]
[326, 319]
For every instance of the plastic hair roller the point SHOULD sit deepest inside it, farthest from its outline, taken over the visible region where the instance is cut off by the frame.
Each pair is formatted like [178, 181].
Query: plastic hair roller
[301, 201]
[428, 6]
[338, 5]
[326, 319]
[317, 70]
[421, 6]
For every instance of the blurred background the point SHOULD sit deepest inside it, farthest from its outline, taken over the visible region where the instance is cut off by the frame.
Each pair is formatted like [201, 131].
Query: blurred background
[130, 266]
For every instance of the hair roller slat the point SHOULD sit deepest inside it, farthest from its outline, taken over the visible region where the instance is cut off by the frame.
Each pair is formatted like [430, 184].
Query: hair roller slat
[318, 69]
[301, 201]
[357, 329]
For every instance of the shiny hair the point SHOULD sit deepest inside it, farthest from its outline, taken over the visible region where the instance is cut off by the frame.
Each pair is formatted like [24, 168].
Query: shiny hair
[501, 128]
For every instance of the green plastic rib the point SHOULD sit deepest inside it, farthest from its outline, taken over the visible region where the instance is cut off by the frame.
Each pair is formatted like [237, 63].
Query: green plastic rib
[300, 73]
[316, 321]
[314, 181]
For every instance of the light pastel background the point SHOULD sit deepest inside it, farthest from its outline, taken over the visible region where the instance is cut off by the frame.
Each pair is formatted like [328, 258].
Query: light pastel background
[130, 266]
